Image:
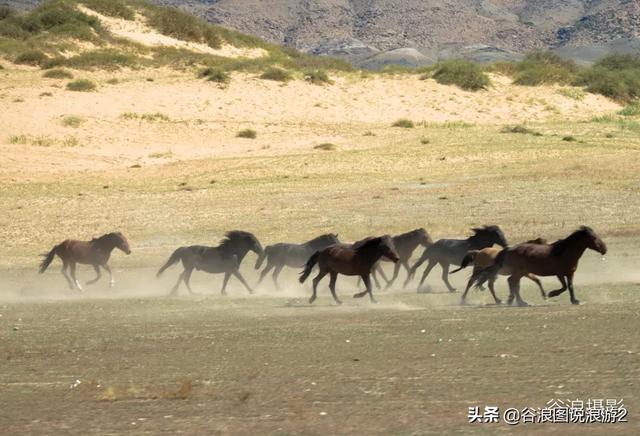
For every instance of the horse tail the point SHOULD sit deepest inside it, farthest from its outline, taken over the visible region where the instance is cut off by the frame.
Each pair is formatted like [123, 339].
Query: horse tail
[466, 260]
[309, 266]
[491, 271]
[48, 258]
[261, 258]
[175, 257]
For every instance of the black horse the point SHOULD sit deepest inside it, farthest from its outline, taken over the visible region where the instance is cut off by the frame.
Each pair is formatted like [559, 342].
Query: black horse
[293, 255]
[448, 252]
[225, 258]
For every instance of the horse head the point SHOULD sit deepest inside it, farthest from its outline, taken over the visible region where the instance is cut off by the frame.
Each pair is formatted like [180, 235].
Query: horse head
[424, 238]
[387, 248]
[242, 241]
[491, 234]
[592, 240]
[120, 242]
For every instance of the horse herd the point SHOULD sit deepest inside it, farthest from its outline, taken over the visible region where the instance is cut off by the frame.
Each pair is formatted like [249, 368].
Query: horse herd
[363, 258]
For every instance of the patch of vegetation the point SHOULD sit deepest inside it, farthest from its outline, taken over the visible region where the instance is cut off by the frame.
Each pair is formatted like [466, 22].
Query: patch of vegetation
[83, 85]
[464, 74]
[57, 73]
[520, 129]
[542, 67]
[162, 155]
[112, 81]
[325, 146]
[368, 133]
[631, 110]
[247, 133]
[569, 138]
[614, 76]
[404, 123]
[18, 139]
[149, 117]
[177, 24]
[105, 59]
[276, 74]
[72, 121]
[110, 8]
[573, 93]
[216, 75]
[424, 141]
[31, 57]
[317, 77]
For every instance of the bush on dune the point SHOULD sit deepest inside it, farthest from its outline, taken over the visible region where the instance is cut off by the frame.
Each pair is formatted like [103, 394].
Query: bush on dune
[464, 74]
[540, 68]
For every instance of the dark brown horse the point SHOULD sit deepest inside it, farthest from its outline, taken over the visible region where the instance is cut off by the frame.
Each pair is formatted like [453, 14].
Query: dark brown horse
[225, 258]
[349, 259]
[486, 257]
[95, 252]
[558, 259]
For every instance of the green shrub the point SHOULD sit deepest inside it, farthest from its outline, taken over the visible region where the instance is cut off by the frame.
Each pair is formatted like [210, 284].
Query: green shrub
[631, 110]
[247, 133]
[317, 77]
[81, 85]
[619, 62]
[277, 74]
[175, 23]
[214, 74]
[540, 67]
[60, 17]
[110, 8]
[33, 57]
[57, 73]
[622, 85]
[404, 123]
[107, 59]
[464, 74]
[6, 12]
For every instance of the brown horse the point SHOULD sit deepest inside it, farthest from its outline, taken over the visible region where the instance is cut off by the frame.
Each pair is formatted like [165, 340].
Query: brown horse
[95, 252]
[558, 259]
[352, 260]
[486, 257]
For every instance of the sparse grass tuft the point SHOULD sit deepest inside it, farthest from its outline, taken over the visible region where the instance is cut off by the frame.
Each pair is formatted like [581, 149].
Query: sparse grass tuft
[569, 138]
[404, 123]
[214, 74]
[83, 85]
[424, 141]
[110, 8]
[162, 155]
[247, 133]
[276, 74]
[317, 77]
[31, 57]
[573, 93]
[520, 129]
[175, 23]
[72, 121]
[464, 74]
[325, 146]
[631, 110]
[150, 117]
[18, 139]
[57, 73]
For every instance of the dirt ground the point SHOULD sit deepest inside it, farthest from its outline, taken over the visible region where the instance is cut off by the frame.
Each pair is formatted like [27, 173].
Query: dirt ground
[128, 359]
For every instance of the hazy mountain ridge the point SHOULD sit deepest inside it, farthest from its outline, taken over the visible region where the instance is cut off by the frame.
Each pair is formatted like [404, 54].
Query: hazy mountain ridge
[478, 29]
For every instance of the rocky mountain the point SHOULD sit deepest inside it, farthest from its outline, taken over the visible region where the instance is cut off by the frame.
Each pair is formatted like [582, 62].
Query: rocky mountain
[375, 32]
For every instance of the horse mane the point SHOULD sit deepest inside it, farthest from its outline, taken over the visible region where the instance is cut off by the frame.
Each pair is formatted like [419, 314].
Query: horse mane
[409, 234]
[561, 245]
[367, 243]
[320, 238]
[537, 241]
[230, 238]
[104, 237]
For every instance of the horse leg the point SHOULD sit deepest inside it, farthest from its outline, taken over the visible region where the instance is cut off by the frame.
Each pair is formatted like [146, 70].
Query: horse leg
[316, 280]
[557, 292]
[445, 277]
[367, 283]
[375, 277]
[174, 290]
[98, 275]
[112, 281]
[469, 284]
[537, 281]
[65, 265]
[493, 291]
[332, 286]
[514, 284]
[242, 280]
[276, 273]
[72, 268]
[186, 277]
[430, 266]
[396, 270]
[225, 280]
[574, 300]
[265, 271]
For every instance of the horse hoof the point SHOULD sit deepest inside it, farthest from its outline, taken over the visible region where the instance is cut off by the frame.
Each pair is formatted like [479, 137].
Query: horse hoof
[338, 302]
[358, 295]
[374, 301]
[575, 302]
[452, 290]
[523, 304]
[112, 284]
[498, 302]
[311, 300]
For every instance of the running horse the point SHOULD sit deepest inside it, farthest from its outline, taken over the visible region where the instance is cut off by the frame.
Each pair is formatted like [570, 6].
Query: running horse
[349, 259]
[293, 255]
[486, 257]
[448, 252]
[558, 259]
[225, 258]
[95, 252]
